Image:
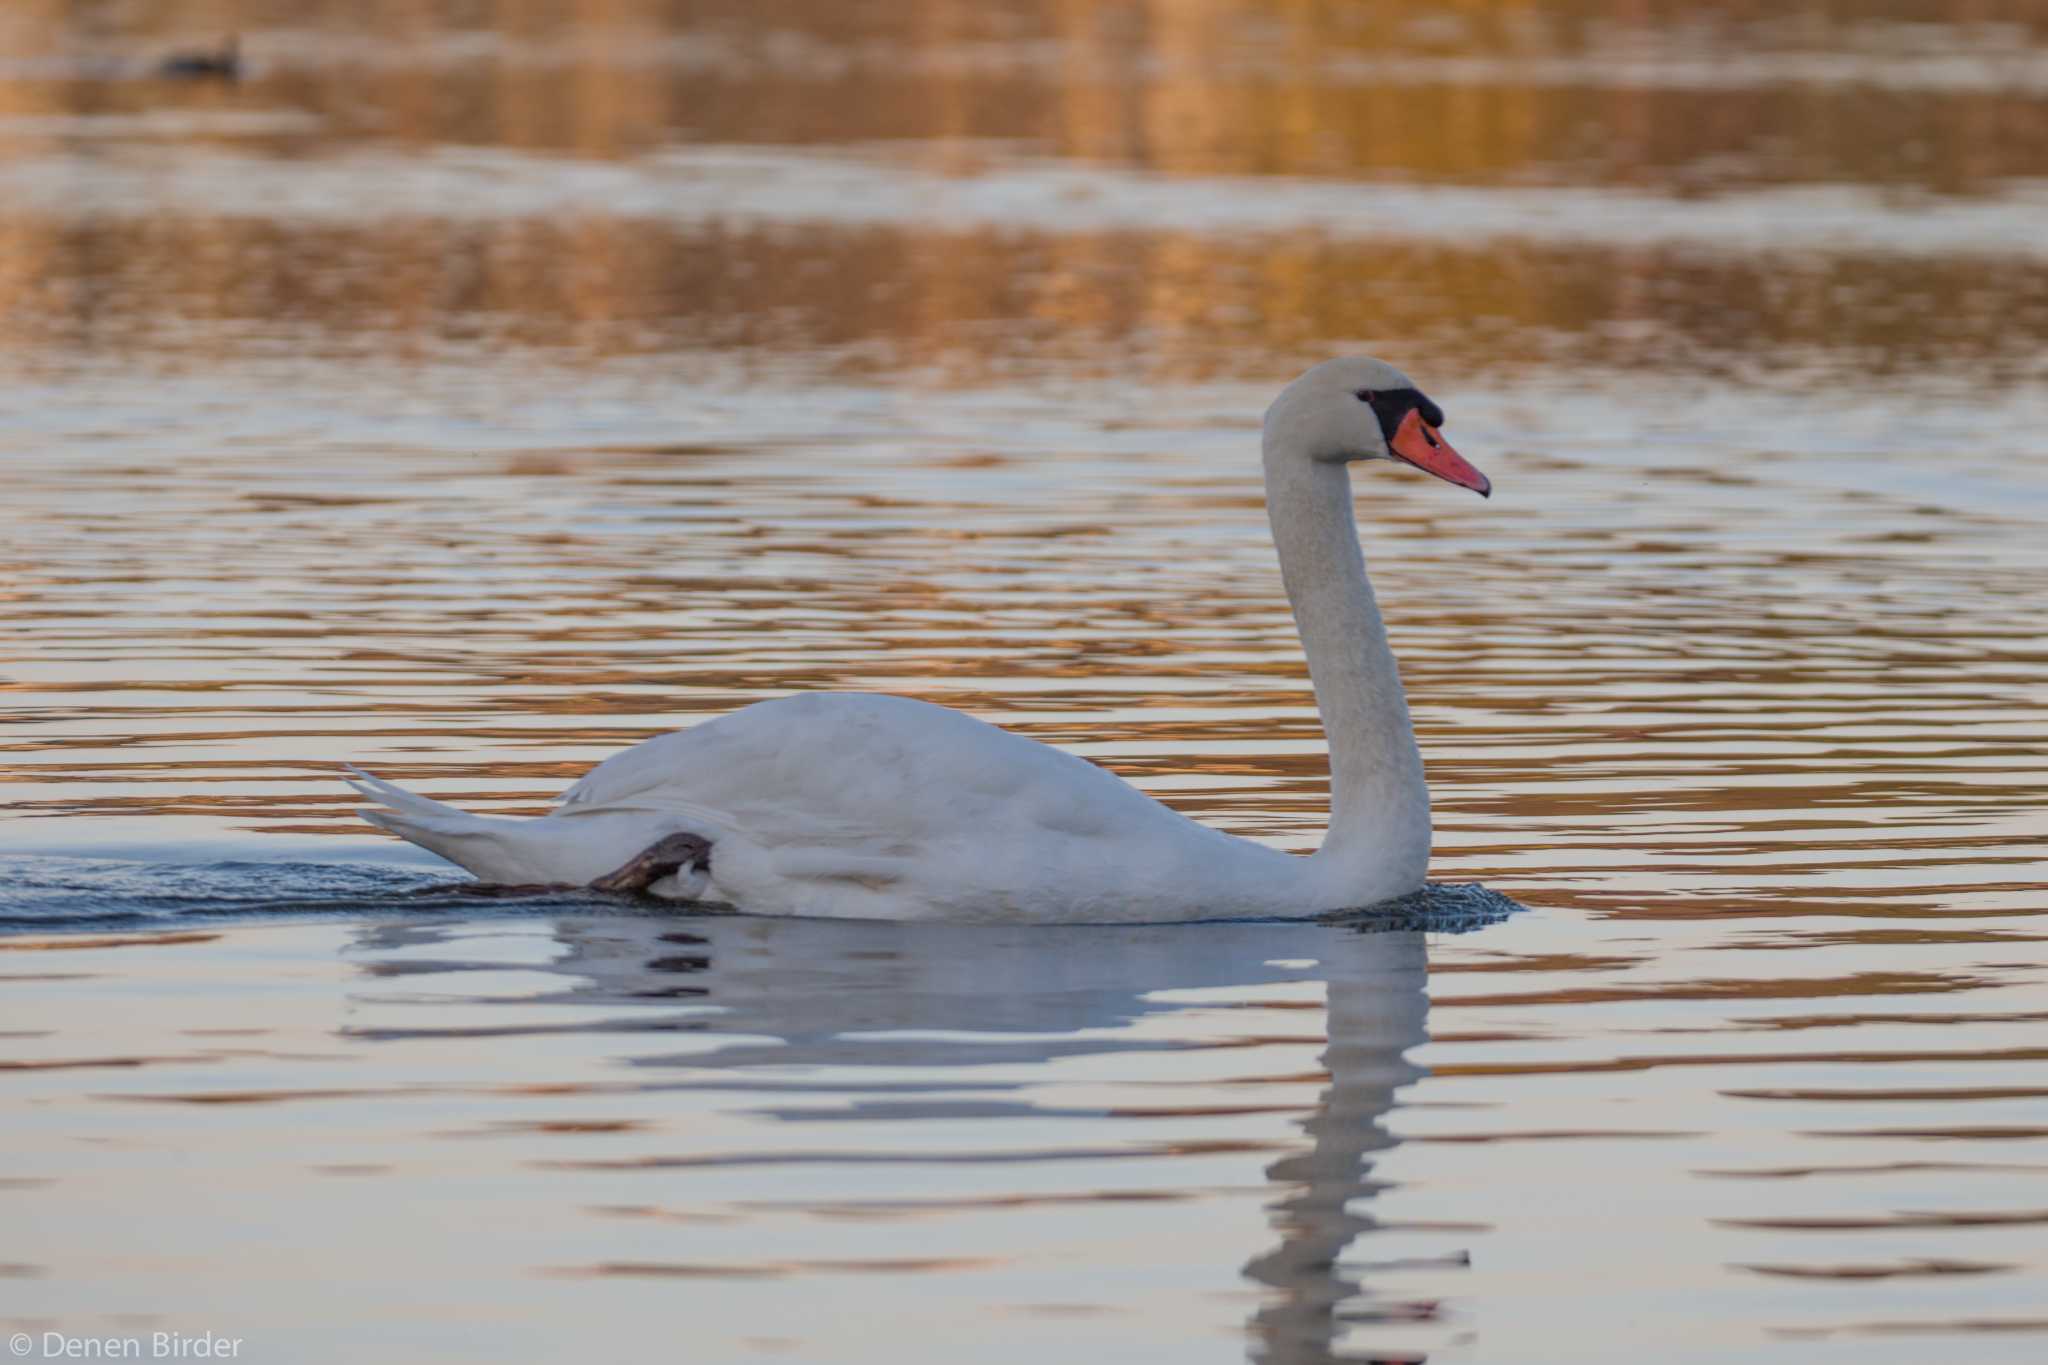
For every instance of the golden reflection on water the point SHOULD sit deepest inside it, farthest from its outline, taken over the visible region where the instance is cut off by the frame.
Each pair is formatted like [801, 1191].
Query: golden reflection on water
[1673, 102]
[1934, 95]
[978, 306]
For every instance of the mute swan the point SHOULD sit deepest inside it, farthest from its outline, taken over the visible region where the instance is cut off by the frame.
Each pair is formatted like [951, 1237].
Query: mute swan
[850, 805]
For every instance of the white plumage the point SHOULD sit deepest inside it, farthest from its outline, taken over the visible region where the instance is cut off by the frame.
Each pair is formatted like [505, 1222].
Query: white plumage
[855, 805]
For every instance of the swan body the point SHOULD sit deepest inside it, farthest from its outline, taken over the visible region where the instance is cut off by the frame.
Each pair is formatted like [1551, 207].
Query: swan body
[851, 805]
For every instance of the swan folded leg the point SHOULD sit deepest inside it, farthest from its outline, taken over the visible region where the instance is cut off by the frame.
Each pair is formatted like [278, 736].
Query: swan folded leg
[676, 867]
[685, 858]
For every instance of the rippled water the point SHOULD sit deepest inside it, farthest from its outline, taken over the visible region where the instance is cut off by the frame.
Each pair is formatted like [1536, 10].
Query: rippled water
[471, 396]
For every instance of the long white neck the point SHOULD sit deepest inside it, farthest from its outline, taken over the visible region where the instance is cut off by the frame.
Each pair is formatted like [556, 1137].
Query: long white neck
[1378, 841]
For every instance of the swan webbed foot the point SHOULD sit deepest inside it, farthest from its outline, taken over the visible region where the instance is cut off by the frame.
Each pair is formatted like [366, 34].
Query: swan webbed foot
[663, 858]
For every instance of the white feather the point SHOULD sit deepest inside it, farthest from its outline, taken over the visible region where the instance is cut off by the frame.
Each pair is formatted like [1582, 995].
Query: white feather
[854, 805]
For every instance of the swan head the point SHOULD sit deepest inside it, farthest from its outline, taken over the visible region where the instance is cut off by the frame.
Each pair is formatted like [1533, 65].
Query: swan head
[1365, 409]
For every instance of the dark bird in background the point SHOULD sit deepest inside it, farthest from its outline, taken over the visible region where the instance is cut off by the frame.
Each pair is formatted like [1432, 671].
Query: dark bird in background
[223, 64]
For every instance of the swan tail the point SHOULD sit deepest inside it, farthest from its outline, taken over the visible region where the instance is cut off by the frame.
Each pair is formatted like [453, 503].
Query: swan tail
[456, 835]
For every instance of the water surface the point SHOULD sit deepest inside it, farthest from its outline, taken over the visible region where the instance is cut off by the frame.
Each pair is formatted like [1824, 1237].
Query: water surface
[472, 398]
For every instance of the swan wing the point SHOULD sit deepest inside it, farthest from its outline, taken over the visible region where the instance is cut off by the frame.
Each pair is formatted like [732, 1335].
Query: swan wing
[856, 766]
[851, 805]
[815, 799]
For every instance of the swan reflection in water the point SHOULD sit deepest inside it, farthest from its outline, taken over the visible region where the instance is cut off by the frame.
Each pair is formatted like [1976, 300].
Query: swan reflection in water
[810, 995]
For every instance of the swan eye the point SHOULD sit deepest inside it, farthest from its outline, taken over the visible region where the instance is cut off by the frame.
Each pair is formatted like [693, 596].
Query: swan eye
[1364, 395]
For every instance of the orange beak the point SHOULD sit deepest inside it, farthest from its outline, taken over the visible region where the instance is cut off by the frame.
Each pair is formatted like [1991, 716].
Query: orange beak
[1420, 444]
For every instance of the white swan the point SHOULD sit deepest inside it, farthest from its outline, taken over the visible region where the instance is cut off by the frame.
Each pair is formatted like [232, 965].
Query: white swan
[849, 805]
